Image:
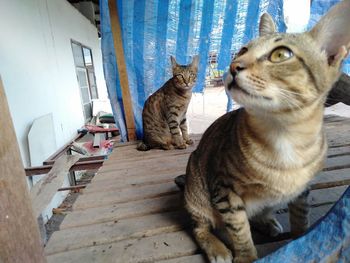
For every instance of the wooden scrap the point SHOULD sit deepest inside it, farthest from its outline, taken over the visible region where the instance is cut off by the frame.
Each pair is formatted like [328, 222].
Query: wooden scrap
[43, 191]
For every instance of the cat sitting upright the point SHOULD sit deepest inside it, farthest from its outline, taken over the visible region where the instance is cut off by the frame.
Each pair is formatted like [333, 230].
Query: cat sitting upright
[164, 112]
[266, 153]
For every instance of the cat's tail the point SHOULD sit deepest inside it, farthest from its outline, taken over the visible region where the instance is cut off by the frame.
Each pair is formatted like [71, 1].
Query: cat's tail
[143, 147]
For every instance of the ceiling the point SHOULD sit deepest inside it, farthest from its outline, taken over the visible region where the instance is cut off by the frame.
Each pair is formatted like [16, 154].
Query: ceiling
[90, 9]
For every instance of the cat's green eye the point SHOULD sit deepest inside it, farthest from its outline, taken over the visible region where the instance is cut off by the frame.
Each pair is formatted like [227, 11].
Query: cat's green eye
[280, 54]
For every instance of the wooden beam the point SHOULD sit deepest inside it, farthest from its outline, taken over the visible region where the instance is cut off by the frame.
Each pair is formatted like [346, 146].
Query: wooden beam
[44, 190]
[123, 75]
[82, 159]
[330, 184]
[78, 166]
[63, 149]
[19, 233]
[74, 187]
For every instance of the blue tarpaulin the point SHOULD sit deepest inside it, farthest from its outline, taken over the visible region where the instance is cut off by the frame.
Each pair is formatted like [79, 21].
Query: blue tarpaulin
[328, 241]
[153, 30]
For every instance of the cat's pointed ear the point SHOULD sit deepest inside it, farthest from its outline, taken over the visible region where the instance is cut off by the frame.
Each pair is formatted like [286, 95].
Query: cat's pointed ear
[332, 32]
[173, 62]
[266, 25]
[195, 62]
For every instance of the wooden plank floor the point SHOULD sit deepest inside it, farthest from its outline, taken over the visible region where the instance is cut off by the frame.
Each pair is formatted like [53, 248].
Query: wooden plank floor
[132, 211]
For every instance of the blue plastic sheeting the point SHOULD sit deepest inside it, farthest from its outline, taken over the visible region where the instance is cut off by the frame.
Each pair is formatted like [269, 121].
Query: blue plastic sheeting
[328, 241]
[318, 9]
[153, 30]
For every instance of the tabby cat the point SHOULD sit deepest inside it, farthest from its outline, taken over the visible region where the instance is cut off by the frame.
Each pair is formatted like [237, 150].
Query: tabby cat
[164, 112]
[266, 153]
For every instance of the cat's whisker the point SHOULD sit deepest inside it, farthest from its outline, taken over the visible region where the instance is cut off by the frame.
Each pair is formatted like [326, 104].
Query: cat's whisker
[291, 102]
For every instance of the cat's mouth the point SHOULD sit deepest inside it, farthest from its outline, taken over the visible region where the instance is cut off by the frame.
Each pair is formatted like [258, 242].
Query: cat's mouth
[244, 91]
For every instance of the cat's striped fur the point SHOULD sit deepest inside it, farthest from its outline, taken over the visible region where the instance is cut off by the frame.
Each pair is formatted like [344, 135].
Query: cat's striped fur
[266, 153]
[164, 112]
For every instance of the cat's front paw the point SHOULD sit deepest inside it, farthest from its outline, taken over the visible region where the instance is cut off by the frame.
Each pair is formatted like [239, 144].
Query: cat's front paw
[167, 146]
[179, 143]
[221, 260]
[220, 255]
[182, 146]
[189, 141]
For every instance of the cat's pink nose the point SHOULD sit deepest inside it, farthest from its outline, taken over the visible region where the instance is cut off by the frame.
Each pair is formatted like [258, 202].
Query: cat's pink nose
[236, 66]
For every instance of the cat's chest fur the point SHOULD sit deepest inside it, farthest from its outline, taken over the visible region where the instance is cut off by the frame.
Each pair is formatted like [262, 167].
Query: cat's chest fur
[294, 168]
[285, 151]
[281, 165]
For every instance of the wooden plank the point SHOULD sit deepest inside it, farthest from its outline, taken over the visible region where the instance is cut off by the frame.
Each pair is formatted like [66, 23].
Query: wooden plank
[163, 160]
[73, 187]
[164, 248]
[110, 184]
[19, 233]
[78, 166]
[323, 196]
[179, 166]
[331, 176]
[112, 165]
[123, 75]
[114, 212]
[337, 130]
[131, 209]
[134, 155]
[187, 259]
[141, 227]
[129, 173]
[129, 182]
[62, 150]
[152, 170]
[97, 234]
[175, 246]
[83, 159]
[160, 171]
[337, 151]
[124, 195]
[150, 249]
[44, 190]
[130, 153]
[330, 184]
[334, 163]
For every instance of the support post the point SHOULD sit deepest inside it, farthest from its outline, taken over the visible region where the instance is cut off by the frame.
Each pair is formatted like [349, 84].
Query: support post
[19, 233]
[123, 76]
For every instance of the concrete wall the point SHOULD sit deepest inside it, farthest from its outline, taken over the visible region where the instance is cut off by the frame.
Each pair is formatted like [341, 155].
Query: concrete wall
[37, 66]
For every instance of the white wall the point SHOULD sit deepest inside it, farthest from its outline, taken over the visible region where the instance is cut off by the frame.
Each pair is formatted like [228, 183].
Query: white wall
[38, 72]
[37, 66]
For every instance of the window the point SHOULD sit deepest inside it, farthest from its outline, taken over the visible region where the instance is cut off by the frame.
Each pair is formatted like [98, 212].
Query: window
[85, 71]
